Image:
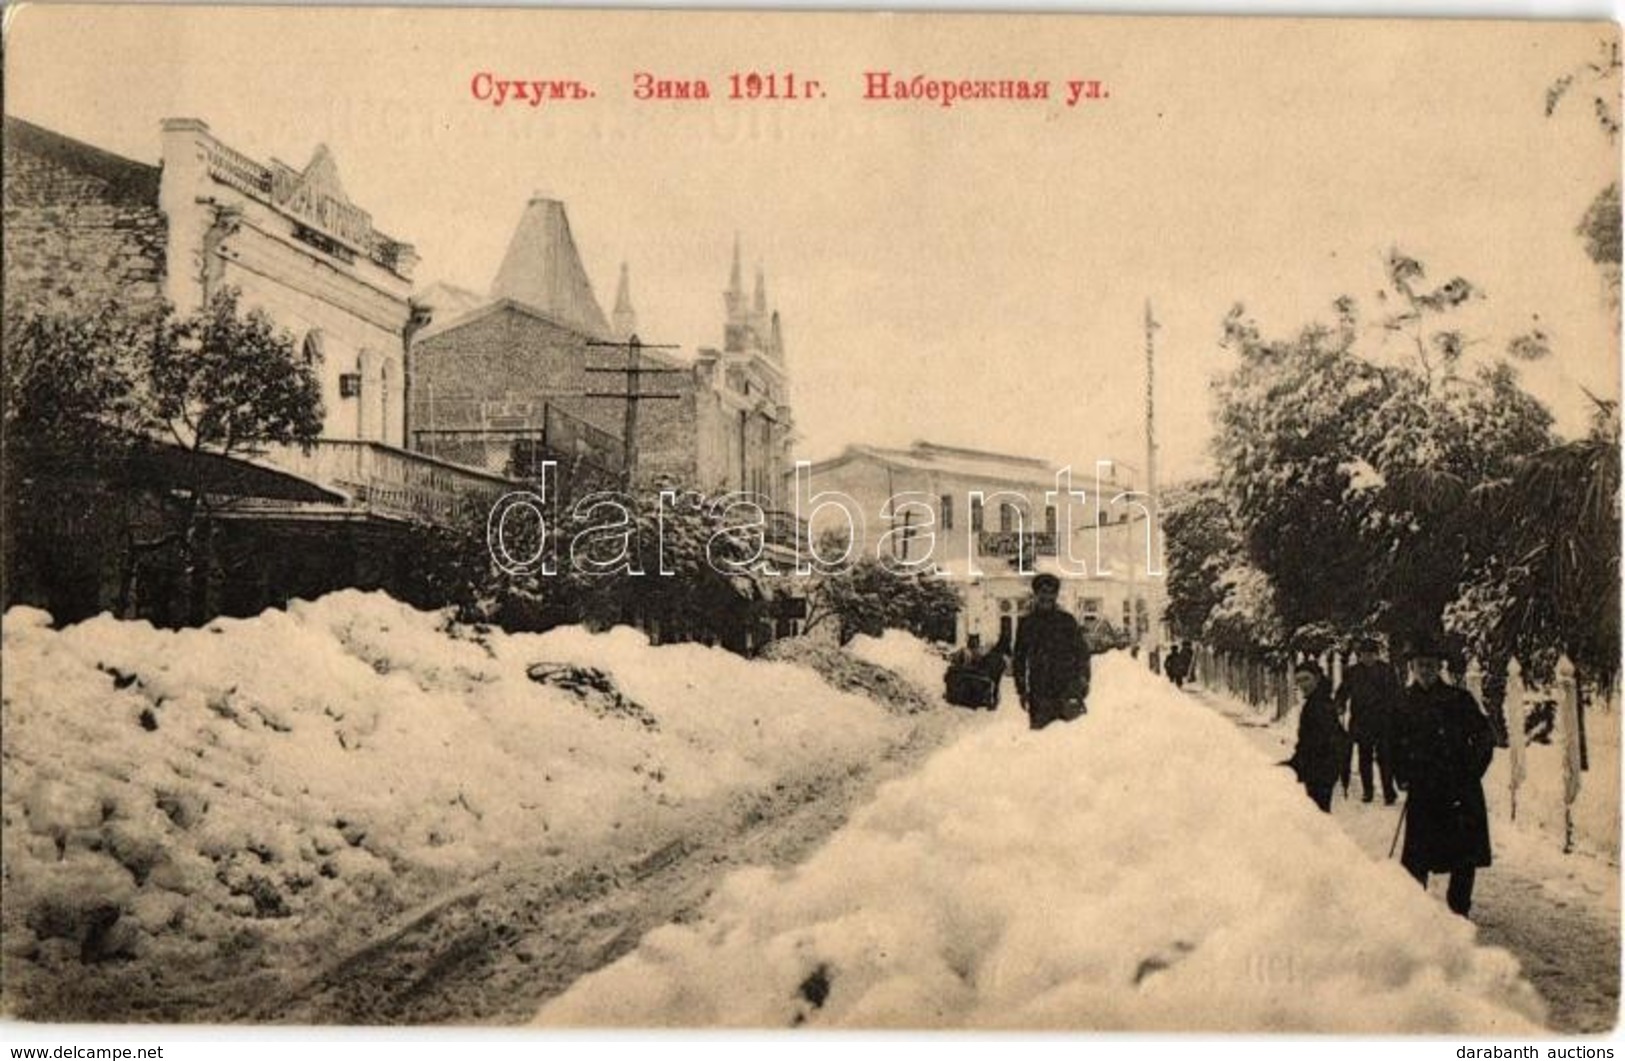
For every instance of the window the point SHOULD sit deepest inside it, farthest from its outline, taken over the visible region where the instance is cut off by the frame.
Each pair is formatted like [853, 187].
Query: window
[1009, 516]
[1049, 520]
[976, 520]
[945, 508]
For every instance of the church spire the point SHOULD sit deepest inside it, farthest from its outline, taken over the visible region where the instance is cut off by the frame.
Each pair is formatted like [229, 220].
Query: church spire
[735, 295]
[759, 303]
[624, 318]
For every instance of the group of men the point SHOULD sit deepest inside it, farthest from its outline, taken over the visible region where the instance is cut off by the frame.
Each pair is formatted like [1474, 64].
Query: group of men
[1428, 738]
[1180, 664]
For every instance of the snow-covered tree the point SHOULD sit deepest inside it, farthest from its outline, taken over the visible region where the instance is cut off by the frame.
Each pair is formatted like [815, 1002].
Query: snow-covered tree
[1350, 454]
[87, 393]
[870, 596]
[1598, 78]
[1202, 543]
[1246, 618]
[1553, 587]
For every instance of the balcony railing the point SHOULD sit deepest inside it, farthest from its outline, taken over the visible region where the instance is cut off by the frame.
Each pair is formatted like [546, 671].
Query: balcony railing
[785, 531]
[391, 483]
[1010, 544]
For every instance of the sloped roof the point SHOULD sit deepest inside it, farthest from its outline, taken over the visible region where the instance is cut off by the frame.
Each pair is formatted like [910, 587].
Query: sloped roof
[654, 357]
[124, 177]
[979, 465]
[449, 301]
[542, 268]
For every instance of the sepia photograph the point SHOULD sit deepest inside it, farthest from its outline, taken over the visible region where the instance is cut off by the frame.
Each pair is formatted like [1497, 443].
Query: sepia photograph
[805, 521]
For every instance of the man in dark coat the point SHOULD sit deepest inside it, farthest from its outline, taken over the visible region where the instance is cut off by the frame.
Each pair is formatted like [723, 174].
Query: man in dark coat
[1323, 746]
[1178, 665]
[1442, 746]
[1370, 694]
[1051, 660]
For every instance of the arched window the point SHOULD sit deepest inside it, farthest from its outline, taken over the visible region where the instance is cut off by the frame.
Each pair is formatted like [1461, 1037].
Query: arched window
[370, 410]
[393, 396]
[311, 349]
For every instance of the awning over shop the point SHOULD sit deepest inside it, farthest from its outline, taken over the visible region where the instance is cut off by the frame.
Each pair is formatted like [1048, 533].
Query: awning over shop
[143, 463]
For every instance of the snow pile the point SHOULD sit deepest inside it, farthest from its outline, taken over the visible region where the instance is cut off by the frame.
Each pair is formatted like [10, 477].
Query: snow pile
[310, 772]
[849, 672]
[902, 653]
[1143, 868]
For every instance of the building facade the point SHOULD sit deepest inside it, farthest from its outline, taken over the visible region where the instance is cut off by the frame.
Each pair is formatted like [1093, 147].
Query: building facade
[746, 427]
[85, 229]
[291, 241]
[988, 521]
[540, 370]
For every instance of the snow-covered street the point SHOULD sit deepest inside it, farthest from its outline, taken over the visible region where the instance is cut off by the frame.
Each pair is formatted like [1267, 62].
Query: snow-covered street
[355, 812]
[1145, 868]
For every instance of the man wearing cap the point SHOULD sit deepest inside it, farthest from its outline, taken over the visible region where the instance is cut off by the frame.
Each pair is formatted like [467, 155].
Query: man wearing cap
[1442, 746]
[1051, 660]
[1370, 693]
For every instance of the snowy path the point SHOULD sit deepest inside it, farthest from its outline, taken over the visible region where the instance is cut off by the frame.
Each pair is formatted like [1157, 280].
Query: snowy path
[492, 952]
[1559, 914]
[1144, 869]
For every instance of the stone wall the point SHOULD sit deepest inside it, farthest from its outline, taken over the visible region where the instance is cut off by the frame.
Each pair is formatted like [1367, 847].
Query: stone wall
[511, 356]
[82, 226]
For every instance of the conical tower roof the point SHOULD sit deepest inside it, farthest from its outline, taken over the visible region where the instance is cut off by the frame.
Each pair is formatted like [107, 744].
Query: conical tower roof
[625, 317]
[543, 269]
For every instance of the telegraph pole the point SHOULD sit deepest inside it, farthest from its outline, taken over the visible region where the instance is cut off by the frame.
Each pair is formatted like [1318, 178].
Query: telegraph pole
[633, 395]
[1153, 540]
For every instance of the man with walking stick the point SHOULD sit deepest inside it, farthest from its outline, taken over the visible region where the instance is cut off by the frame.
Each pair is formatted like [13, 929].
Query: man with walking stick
[1442, 746]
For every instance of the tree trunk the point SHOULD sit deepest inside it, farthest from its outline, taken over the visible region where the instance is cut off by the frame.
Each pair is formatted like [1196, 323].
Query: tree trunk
[200, 549]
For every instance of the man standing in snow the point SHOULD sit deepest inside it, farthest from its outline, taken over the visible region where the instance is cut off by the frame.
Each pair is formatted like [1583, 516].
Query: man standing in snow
[1370, 693]
[1322, 744]
[1051, 659]
[1442, 746]
[1176, 666]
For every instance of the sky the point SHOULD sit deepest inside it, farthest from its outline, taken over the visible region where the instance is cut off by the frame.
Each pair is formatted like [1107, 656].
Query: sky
[975, 274]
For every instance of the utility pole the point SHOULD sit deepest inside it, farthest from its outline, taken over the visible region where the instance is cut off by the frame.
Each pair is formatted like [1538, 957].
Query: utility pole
[1153, 540]
[633, 395]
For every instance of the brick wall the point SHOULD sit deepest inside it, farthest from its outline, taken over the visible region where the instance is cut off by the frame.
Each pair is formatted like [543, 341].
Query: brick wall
[81, 226]
[510, 354]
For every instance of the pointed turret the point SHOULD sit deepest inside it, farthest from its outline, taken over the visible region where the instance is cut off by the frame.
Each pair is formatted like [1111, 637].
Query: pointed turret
[543, 269]
[734, 297]
[759, 303]
[624, 317]
[775, 341]
[736, 326]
